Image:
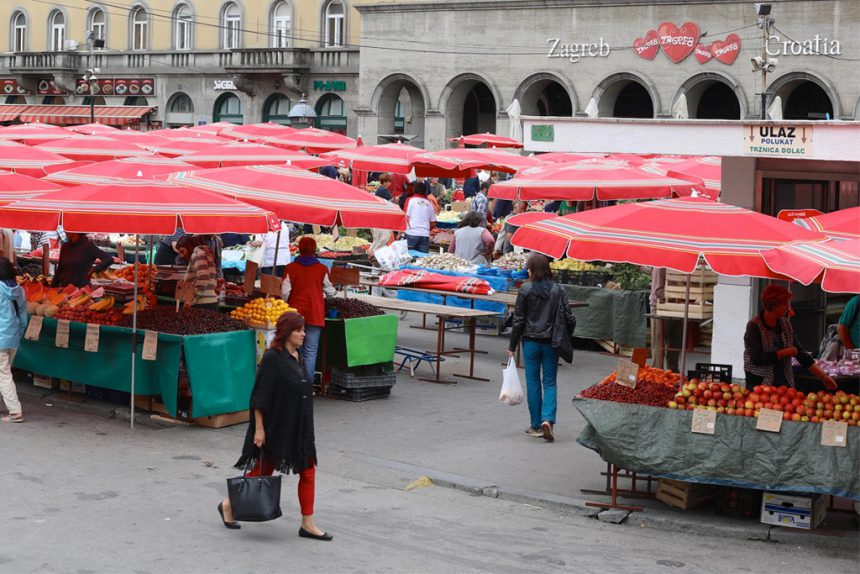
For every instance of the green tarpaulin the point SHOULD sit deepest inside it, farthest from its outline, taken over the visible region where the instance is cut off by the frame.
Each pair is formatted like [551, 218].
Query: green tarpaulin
[361, 341]
[657, 441]
[612, 314]
[221, 368]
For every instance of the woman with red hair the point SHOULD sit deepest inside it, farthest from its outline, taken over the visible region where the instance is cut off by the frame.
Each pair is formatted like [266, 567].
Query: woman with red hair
[306, 284]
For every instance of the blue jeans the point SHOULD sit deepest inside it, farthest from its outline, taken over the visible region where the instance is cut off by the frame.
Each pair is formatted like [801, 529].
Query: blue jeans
[542, 395]
[415, 243]
[309, 350]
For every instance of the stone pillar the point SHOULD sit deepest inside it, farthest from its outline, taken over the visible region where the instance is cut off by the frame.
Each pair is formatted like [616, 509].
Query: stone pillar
[366, 125]
[434, 131]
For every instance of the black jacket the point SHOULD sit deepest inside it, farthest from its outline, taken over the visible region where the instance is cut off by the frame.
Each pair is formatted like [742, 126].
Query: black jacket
[538, 305]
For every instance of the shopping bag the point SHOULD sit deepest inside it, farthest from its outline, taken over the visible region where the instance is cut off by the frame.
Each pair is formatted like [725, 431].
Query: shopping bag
[255, 498]
[512, 390]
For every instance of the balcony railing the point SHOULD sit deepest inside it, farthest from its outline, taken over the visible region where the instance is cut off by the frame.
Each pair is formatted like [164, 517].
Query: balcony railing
[38, 61]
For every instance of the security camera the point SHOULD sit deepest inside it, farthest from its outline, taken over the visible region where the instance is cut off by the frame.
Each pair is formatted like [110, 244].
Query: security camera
[762, 9]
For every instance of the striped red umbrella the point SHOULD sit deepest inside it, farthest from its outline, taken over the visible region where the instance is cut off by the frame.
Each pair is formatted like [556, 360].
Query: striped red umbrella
[213, 129]
[297, 195]
[566, 157]
[584, 180]
[836, 264]
[394, 157]
[842, 224]
[460, 162]
[311, 140]
[703, 170]
[256, 132]
[139, 208]
[118, 170]
[34, 133]
[28, 160]
[175, 147]
[93, 129]
[487, 139]
[16, 186]
[238, 154]
[96, 148]
[671, 233]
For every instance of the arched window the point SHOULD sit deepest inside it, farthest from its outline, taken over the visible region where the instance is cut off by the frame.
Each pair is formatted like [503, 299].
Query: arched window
[334, 24]
[93, 100]
[330, 114]
[97, 25]
[228, 108]
[231, 25]
[180, 111]
[182, 27]
[281, 25]
[135, 101]
[277, 109]
[57, 25]
[19, 32]
[139, 29]
[54, 101]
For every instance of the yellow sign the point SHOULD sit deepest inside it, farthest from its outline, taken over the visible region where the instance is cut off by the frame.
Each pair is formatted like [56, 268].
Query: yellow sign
[778, 140]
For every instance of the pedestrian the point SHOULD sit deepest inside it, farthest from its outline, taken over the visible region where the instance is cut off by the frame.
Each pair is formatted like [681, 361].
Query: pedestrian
[536, 323]
[381, 237]
[305, 287]
[420, 219]
[479, 201]
[848, 327]
[280, 433]
[13, 322]
[503, 242]
[201, 272]
[472, 241]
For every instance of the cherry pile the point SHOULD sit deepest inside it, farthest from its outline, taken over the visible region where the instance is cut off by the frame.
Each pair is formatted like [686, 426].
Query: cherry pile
[190, 321]
[645, 393]
[352, 308]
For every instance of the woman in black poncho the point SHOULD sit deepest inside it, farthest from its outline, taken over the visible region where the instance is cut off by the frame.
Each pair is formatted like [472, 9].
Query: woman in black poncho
[282, 422]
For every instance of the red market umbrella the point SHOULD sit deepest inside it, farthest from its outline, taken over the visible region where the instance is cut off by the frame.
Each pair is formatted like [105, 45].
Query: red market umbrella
[93, 129]
[239, 154]
[583, 180]
[704, 170]
[177, 147]
[255, 132]
[15, 186]
[488, 139]
[297, 195]
[565, 157]
[842, 224]
[836, 264]
[394, 157]
[34, 133]
[312, 140]
[460, 162]
[212, 128]
[28, 160]
[96, 148]
[118, 170]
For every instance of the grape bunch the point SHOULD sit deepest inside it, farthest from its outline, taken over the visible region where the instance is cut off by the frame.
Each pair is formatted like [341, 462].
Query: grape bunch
[352, 308]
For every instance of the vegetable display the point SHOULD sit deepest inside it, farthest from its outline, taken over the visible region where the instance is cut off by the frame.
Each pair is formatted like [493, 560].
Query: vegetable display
[351, 308]
[444, 262]
[188, 321]
[515, 261]
[654, 387]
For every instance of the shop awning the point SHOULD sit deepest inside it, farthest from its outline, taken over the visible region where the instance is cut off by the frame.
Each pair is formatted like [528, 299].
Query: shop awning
[75, 115]
[10, 112]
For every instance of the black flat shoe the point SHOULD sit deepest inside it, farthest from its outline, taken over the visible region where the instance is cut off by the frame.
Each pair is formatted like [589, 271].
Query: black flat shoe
[305, 534]
[232, 525]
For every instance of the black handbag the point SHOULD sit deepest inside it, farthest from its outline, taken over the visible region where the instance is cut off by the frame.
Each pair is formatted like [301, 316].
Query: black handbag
[255, 498]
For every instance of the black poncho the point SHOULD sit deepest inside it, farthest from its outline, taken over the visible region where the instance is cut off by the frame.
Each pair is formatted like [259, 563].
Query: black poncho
[285, 398]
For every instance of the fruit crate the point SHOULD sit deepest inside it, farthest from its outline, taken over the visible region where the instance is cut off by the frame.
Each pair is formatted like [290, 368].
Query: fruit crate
[359, 395]
[685, 495]
[351, 380]
[702, 283]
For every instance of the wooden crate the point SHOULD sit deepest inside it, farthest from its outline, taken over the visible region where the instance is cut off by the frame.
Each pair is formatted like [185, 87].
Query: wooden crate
[225, 420]
[697, 309]
[702, 283]
[685, 495]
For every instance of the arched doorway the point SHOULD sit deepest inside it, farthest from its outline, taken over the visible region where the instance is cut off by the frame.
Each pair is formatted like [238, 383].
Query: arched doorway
[543, 95]
[276, 109]
[331, 114]
[228, 108]
[135, 101]
[470, 108]
[624, 96]
[15, 100]
[711, 98]
[93, 101]
[807, 101]
[54, 101]
[400, 108]
[180, 111]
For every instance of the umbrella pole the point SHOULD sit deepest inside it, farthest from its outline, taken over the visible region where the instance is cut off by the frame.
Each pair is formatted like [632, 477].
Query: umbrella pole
[134, 325]
[682, 366]
[277, 248]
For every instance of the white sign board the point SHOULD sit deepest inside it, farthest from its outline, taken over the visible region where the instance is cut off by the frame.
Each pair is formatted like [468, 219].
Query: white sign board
[778, 141]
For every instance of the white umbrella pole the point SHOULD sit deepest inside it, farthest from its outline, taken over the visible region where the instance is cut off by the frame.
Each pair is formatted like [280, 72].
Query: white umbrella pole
[134, 325]
[682, 366]
[277, 248]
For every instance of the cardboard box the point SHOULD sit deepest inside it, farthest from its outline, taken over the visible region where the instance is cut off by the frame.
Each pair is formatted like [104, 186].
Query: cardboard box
[148, 403]
[45, 382]
[225, 420]
[804, 511]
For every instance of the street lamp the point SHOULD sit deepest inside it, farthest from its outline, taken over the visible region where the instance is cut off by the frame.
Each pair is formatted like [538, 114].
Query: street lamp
[92, 81]
[302, 115]
[762, 63]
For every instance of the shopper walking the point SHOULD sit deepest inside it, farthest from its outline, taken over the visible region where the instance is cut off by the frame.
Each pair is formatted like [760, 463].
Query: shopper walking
[13, 322]
[542, 320]
[280, 433]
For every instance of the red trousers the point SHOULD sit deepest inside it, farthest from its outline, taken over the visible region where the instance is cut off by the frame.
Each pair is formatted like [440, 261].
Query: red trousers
[307, 484]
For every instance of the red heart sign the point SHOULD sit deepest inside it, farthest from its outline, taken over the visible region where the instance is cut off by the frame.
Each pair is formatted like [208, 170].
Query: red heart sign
[726, 51]
[678, 43]
[648, 46]
[703, 53]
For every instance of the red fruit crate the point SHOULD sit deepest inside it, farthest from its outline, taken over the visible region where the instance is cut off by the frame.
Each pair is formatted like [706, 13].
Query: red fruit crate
[685, 495]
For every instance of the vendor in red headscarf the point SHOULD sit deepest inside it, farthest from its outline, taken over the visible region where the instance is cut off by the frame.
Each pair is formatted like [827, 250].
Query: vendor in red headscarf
[306, 284]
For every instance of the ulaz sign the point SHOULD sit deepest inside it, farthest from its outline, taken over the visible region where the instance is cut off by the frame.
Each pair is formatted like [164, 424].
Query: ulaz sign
[778, 141]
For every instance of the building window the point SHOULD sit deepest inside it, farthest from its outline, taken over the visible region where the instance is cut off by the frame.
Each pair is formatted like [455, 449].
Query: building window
[19, 32]
[228, 108]
[98, 24]
[180, 111]
[281, 25]
[58, 31]
[139, 29]
[182, 27]
[231, 24]
[334, 21]
[277, 109]
[330, 114]
[93, 101]
[135, 101]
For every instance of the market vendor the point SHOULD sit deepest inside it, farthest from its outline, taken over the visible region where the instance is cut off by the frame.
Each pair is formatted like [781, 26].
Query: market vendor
[272, 245]
[77, 256]
[167, 252]
[472, 241]
[770, 343]
[306, 284]
[201, 272]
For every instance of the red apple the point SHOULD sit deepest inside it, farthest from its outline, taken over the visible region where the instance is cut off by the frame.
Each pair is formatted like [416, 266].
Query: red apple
[786, 416]
[708, 394]
[748, 412]
[795, 417]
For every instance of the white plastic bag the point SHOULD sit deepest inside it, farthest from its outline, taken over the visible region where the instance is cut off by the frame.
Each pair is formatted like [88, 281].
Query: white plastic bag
[512, 390]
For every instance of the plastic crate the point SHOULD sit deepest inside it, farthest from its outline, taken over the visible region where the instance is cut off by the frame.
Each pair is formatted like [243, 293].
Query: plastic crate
[350, 380]
[588, 278]
[359, 395]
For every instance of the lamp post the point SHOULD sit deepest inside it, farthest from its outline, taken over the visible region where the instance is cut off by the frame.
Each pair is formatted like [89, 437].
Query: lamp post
[762, 63]
[92, 81]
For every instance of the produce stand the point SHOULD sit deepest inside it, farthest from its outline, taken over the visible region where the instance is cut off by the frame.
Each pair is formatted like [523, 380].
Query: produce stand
[612, 314]
[657, 441]
[360, 341]
[220, 366]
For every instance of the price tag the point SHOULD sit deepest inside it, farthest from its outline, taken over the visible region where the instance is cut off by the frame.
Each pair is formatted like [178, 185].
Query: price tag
[150, 345]
[34, 328]
[184, 292]
[704, 421]
[834, 433]
[271, 285]
[62, 339]
[626, 373]
[250, 276]
[769, 420]
[91, 342]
